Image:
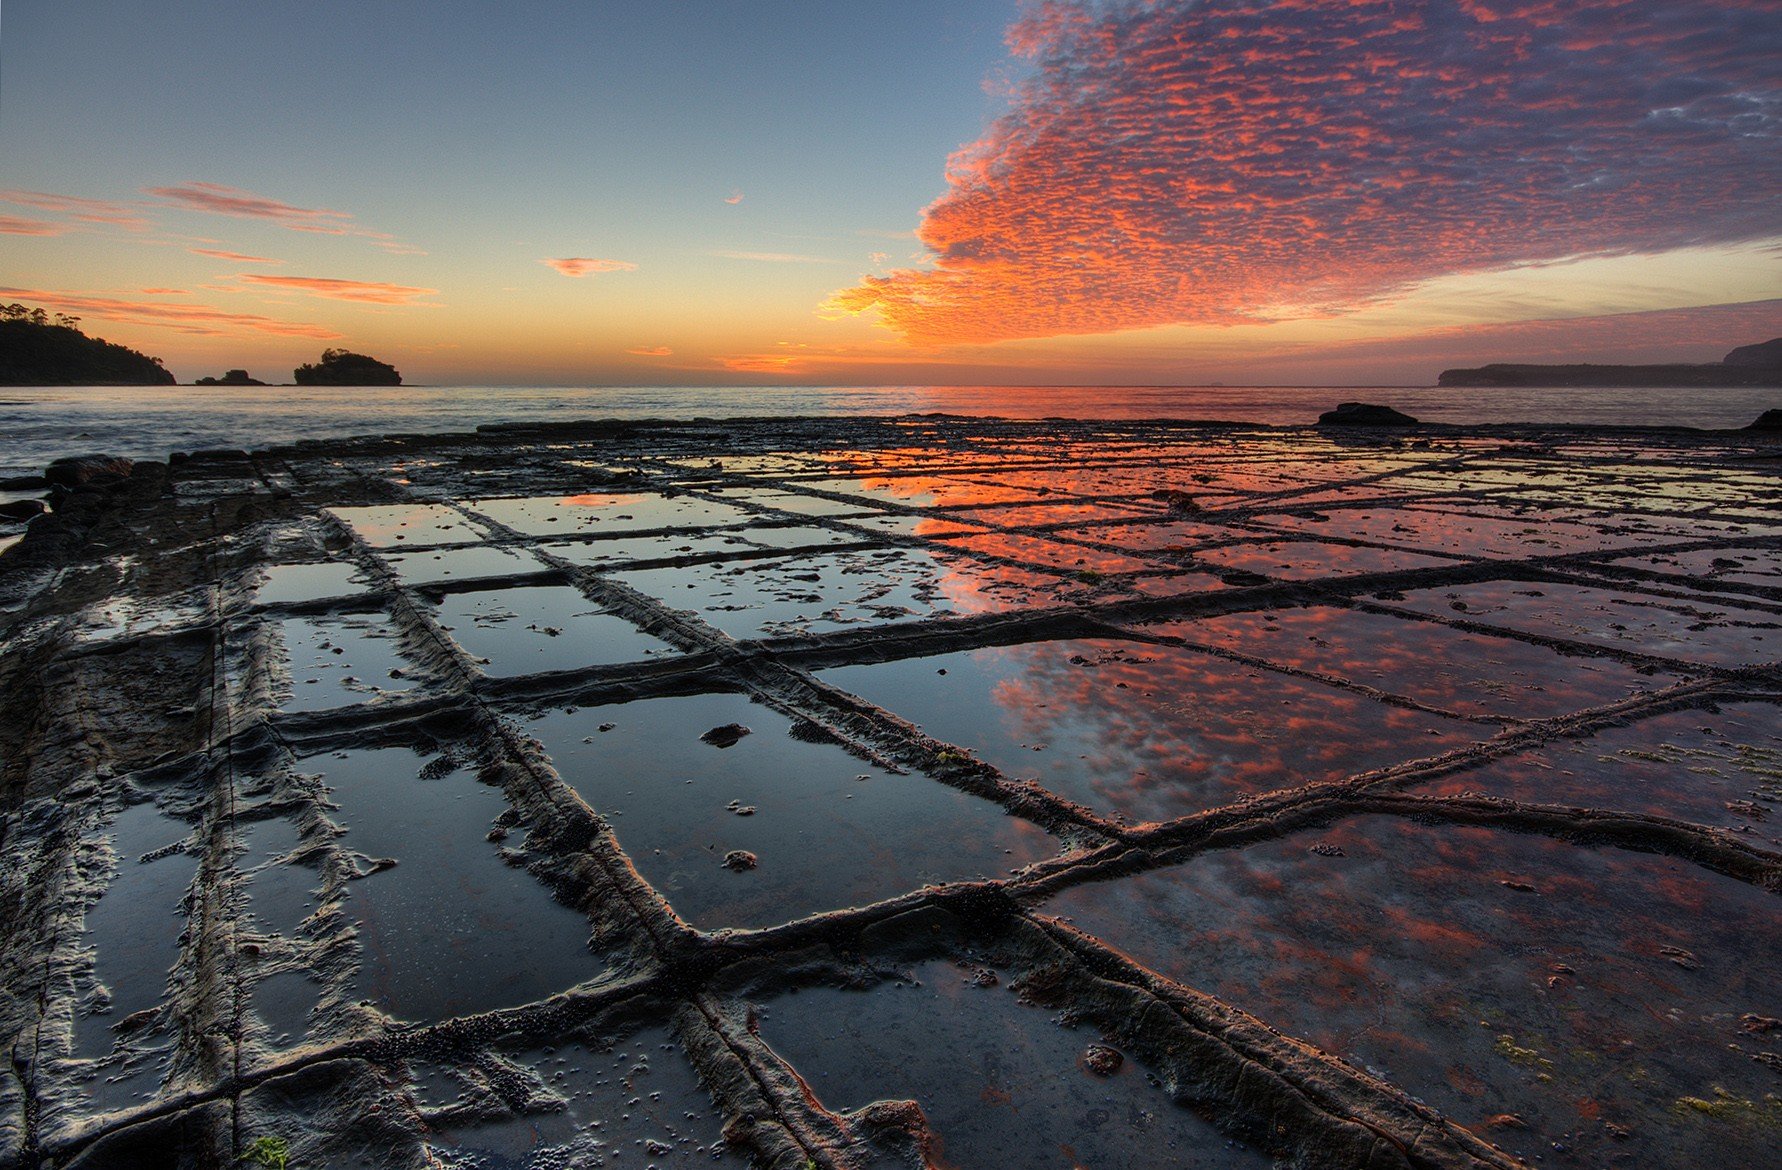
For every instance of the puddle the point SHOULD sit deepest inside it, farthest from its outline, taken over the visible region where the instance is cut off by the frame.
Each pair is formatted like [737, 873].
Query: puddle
[1174, 536]
[280, 894]
[910, 524]
[797, 537]
[1037, 515]
[135, 926]
[1715, 767]
[540, 628]
[633, 1101]
[339, 661]
[1051, 554]
[1470, 674]
[1551, 1014]
[796, 503]
[395, 525]
[1744, 566]
[1707, 630]
[462, 564]
[1002, 1084]
[820, 593]
[670, 546]
[1466, 533]
[283, 1002]
[286, 584]
[1306, 560]
[829, 830]
[451, 929]
[595, 513]
[1146, 732]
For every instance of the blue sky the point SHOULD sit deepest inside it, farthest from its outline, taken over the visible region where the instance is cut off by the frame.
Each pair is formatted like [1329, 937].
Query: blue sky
[740, 187]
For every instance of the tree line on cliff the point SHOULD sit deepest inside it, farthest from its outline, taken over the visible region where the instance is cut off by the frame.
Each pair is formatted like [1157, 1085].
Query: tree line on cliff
[41, 349]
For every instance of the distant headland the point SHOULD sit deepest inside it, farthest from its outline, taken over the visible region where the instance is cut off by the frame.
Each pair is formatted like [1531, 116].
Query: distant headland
[39, 350]
[1748, 365]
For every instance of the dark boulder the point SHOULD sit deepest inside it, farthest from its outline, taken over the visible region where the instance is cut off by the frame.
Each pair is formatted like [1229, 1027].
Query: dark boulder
[72, 471]
[1769, 420]
[22, 509]
[1364, 414]
[23, 483]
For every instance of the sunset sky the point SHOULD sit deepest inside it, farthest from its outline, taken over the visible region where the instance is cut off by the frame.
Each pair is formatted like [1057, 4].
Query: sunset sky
[923, 192]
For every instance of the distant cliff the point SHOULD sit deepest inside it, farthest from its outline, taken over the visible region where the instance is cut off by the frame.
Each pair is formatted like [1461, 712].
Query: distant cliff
[1748, 365]
[34, 351]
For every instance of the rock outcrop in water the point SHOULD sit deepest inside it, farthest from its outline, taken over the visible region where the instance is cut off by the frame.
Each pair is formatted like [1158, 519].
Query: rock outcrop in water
[36, 351]
[1748, 365]
[1365, 414]
[230, 378]
[339, 367]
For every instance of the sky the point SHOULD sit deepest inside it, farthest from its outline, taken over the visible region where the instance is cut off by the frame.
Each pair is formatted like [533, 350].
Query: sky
[963, 192]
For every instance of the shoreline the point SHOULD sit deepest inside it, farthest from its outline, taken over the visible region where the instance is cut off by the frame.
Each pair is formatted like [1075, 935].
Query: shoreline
[955, 677]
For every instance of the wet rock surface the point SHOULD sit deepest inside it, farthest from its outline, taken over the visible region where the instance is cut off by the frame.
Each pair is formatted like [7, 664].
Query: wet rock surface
[1114, 794]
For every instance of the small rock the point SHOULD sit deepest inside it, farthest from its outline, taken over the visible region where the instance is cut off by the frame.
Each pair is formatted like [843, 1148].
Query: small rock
[1364, 414]
[606, 727]
[740, 860]
[726, 735]
[1326, 849]
[74, 470]
[1749, 809]
[1177, 499]
[1102, 1060]
[982, 977]
[1506, 1121]
[1513, 884]
[744, 810]
[22, 509]
[1684, 959]
[1759, 1025]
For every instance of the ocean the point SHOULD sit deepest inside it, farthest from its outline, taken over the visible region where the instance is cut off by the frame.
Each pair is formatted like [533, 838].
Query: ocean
[144, 422]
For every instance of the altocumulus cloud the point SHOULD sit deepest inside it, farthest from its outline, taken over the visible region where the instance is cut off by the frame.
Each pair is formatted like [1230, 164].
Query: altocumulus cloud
[587, 265]
[1175, 162]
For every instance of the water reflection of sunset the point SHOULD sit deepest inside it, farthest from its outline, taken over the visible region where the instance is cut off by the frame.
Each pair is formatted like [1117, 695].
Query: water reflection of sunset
[1489, 973]
[1147, 732]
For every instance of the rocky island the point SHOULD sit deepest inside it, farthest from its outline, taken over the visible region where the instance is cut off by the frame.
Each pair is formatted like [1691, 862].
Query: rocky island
[230, 378]
[338, 367]
[1748, 365]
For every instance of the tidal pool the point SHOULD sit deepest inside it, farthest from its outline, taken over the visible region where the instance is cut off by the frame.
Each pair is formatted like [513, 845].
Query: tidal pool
[828, 830]
[1146, 732]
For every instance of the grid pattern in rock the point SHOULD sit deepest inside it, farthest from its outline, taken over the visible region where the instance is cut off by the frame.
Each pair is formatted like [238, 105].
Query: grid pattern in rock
[644, 794]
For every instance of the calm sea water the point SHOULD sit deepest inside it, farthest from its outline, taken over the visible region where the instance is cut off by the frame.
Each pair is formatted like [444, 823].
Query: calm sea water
[40, 424]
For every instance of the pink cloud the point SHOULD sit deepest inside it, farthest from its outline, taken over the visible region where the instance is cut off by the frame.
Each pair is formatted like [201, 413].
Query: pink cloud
[165, 292]
[652, 351]
[734, 198]
[236, 257]
[86, 210]
[200, 319]
[217, 199]
[584, 265]
[13, 225]
[1171, 162]
[368, 292]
